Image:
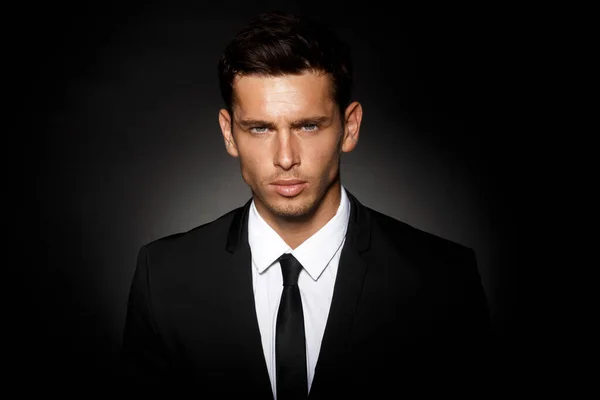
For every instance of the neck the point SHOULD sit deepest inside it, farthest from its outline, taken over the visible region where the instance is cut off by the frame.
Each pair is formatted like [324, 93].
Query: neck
[295, 230]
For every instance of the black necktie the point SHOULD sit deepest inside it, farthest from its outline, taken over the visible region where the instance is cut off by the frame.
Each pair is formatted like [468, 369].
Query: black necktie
[290, 345]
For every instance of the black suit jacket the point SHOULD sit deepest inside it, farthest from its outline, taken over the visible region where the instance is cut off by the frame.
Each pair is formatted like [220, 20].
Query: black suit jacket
[408, 313]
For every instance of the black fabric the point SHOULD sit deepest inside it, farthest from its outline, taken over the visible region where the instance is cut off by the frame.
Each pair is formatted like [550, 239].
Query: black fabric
[408, 316]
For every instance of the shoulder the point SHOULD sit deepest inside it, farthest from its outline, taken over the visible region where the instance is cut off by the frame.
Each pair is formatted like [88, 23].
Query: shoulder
[426, 259]
[210, 235]
[414, 241]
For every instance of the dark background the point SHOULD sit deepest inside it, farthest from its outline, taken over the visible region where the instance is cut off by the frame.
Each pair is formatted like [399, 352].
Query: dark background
[124, 146]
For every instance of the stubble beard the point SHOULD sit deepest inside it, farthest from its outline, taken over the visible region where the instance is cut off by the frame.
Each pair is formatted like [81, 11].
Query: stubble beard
[305, 206]
[301, 208]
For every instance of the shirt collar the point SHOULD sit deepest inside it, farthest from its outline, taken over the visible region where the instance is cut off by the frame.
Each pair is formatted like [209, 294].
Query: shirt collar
[314, 253]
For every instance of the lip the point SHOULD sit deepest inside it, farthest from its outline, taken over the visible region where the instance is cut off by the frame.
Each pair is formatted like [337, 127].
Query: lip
[287, 182]
[289, 188]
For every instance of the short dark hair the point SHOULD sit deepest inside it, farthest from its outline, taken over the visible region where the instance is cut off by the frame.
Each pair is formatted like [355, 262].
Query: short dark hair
[278, 43]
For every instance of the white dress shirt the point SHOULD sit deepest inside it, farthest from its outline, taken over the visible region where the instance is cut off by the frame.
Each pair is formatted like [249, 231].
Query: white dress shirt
[319, 255]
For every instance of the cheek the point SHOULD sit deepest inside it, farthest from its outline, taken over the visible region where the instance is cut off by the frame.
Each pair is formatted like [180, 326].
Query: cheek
[323, 157]
[252, 164]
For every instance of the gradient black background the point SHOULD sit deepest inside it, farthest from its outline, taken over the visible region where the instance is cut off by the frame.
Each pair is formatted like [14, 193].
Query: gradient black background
[126, 148]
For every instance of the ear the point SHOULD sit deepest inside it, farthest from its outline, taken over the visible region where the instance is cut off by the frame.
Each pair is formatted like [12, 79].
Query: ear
[226, 122]
[352, 118]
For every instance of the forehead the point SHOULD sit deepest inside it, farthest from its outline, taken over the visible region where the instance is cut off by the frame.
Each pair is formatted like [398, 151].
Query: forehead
[293, 95]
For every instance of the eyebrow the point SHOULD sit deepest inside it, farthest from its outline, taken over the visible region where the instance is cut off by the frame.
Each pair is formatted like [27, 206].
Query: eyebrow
[248, 123]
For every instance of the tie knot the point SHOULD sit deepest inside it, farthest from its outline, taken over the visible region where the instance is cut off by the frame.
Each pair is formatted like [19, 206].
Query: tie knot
[290, 269]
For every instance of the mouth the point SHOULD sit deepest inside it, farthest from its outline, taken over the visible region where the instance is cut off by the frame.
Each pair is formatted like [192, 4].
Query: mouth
[289, 188]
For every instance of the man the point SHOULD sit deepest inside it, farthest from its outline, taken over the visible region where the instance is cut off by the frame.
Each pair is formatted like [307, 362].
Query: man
[374, 307]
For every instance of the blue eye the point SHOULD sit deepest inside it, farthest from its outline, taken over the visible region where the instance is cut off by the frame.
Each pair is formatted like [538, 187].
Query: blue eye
[310, 127]
[258, 129]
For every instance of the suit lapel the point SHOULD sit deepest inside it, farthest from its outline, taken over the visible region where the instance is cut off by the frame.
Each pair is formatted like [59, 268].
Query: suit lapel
[241, 299]
[347, 291]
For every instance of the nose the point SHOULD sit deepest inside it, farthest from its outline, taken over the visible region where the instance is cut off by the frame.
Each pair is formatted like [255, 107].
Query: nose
[286, 154]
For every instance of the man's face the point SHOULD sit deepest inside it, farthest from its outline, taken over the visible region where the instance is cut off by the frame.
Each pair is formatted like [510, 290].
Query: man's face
[288, 133]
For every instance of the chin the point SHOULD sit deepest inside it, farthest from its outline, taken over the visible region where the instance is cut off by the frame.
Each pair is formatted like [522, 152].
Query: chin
[291, 209]
[297, 207]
